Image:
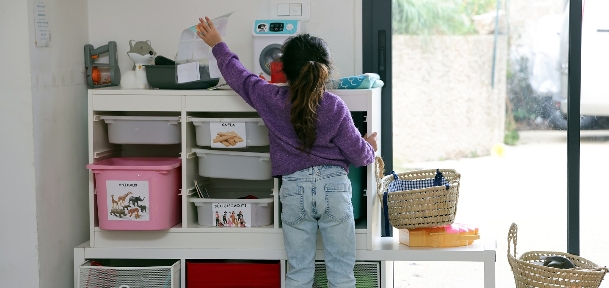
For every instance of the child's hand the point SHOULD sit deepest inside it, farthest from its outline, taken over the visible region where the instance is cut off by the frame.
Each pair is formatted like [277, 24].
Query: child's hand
[371, 140]
[207, 32]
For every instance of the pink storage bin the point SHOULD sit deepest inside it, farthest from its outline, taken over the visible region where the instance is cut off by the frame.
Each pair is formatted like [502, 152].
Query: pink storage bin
[137, 193]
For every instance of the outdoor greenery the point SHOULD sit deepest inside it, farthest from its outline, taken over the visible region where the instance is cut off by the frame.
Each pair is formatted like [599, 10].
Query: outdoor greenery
[438, 17]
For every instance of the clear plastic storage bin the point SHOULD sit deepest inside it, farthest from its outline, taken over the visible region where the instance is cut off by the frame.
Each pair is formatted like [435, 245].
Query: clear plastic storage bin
[143, 129]
[234, 212]
[233, 164]
[251, 131]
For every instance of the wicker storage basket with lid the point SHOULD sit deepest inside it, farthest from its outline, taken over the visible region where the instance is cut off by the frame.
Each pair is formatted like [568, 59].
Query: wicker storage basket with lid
[419, 208]
[529, 270]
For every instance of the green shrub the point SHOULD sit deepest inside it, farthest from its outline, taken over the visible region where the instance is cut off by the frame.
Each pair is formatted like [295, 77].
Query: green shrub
[437, 17]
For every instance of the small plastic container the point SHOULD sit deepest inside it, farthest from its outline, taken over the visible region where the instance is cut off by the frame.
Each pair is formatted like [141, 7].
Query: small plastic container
[256, 133]
[137, 193]
[233, 164]
[101, 75]
[234, 212]
[453, 235]
[143, 129]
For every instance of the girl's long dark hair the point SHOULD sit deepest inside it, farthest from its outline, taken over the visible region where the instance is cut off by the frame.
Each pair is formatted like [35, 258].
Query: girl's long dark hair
[306, 64]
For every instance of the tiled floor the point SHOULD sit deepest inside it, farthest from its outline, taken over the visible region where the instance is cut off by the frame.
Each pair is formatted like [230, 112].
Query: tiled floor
[522, 187]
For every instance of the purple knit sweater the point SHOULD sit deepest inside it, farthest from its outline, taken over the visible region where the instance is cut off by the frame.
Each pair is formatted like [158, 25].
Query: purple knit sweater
[338, 140]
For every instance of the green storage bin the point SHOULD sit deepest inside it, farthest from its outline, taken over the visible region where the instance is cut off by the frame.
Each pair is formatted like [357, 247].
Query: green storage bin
[357, 175]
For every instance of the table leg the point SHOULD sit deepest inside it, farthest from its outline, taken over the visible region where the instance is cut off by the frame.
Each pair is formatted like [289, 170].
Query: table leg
[490, 257]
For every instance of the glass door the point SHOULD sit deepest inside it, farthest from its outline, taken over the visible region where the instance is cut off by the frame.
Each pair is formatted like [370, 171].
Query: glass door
[594, 143]
[476, 87]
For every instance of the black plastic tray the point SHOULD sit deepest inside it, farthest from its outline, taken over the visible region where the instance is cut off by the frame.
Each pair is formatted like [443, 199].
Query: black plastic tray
[164, 77]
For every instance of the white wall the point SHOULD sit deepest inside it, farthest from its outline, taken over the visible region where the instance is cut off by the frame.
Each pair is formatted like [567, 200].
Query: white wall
[18, 243]
[59, 98]
[44, 103]
[162, 22]
[43, 151]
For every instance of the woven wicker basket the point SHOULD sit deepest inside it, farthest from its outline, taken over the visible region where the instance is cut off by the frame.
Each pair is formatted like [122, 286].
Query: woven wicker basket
[421, 208]
[529, 271]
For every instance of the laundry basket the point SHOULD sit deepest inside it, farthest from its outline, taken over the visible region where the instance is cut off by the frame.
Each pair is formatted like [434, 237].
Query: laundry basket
[529, 270]
[424, 207]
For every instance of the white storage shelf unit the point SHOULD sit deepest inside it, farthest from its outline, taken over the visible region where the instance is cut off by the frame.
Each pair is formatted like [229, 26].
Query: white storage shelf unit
[198, 104]
[189, 240]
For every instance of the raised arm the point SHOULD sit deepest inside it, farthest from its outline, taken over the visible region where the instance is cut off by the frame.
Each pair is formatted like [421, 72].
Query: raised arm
[251, 87]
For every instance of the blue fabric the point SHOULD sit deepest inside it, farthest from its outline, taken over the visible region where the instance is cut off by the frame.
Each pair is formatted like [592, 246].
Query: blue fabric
[363, 81]
[405, 185]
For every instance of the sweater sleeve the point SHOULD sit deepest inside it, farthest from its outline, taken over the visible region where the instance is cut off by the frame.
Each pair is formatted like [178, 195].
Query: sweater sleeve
[352, 145]
[248, 85]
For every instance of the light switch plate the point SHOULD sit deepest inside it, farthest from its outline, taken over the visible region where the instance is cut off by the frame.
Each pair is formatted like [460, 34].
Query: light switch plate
[295, 9]
[305, 9]
[283, 9]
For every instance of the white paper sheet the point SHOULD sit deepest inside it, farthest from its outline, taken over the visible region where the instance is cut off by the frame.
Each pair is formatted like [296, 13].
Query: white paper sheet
[43, 33]
[220, 23]
[191, 48]
[186, 46]
[214, 71]
[188, 72]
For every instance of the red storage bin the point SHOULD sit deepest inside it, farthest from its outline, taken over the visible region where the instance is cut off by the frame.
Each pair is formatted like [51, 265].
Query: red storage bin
[233, 274]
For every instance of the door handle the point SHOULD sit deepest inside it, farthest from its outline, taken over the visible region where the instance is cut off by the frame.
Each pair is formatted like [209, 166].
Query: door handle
[382, 50]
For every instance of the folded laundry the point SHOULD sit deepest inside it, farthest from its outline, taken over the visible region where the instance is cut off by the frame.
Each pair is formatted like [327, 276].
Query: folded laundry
[363, 81]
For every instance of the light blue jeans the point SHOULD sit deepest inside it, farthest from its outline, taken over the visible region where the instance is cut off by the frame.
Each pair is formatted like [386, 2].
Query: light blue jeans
[318, 196]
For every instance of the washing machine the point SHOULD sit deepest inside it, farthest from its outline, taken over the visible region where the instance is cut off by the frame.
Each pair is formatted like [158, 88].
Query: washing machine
[268, 37]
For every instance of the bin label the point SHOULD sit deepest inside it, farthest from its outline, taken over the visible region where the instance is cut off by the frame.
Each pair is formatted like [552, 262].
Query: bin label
[227, 134]
[231, 214]
[128, 200]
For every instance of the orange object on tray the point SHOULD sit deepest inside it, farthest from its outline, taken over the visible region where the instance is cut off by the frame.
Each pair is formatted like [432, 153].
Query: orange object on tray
[452, 235]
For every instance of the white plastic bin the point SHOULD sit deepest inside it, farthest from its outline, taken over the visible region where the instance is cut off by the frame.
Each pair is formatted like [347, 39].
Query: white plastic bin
[165, 275]
[234, 212]
[233, 164]
[143, 129]
[251, 130]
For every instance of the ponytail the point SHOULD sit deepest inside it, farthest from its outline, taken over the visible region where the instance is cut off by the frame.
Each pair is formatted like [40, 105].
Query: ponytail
[306, 92]
[307, 63]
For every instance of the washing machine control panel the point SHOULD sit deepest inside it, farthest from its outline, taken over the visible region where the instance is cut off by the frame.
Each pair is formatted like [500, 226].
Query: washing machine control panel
[276, 27]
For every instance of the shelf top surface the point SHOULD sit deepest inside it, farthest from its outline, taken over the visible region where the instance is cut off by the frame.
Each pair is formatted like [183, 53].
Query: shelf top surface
[116, 90]
[388, 249]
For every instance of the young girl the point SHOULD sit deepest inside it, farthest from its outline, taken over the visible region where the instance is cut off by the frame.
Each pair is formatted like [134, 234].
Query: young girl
[312, 142]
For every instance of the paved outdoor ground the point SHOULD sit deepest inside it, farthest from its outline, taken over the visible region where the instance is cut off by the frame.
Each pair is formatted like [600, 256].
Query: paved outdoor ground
[527, 186]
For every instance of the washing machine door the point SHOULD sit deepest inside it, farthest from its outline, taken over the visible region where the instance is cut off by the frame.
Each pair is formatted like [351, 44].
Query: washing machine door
[270, 53]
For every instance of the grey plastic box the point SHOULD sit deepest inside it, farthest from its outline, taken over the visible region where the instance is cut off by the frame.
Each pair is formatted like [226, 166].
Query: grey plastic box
[233, 164]
[261, 210]
[256, 132]
[164, 77]
[143, 129]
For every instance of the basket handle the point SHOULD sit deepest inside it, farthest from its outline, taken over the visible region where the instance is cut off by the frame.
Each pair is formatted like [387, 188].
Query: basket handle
[380, 170]
[379, 174]
[512, 237]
